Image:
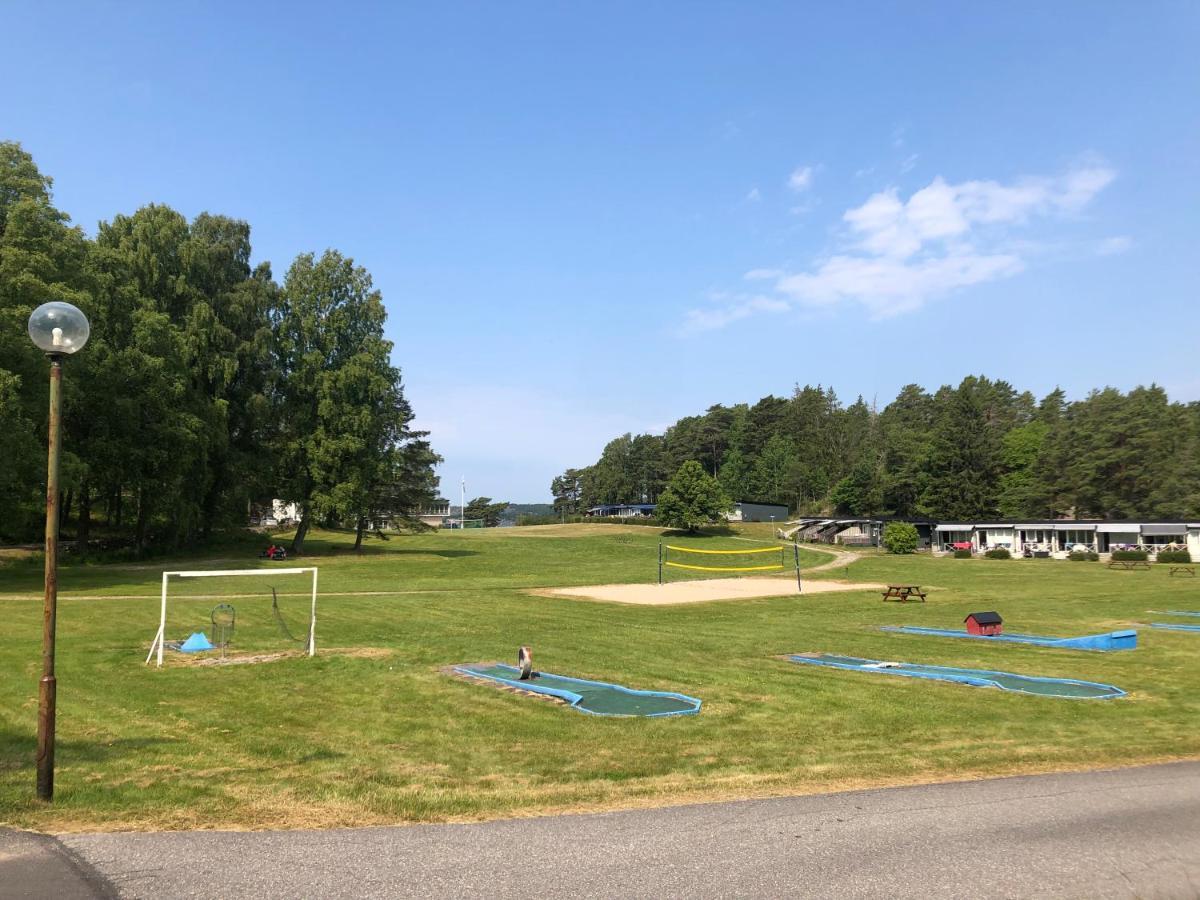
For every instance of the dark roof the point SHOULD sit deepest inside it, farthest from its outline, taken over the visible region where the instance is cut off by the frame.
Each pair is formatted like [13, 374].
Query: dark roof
[986, 618]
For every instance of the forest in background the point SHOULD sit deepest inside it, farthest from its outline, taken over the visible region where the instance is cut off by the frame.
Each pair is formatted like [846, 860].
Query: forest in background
[978, 449]
[206, 386]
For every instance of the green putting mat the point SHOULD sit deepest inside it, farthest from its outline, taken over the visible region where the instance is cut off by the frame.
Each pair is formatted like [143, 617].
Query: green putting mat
[596, 697]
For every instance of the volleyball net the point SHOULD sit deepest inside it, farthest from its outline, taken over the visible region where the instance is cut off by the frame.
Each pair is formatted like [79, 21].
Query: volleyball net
[696, 562]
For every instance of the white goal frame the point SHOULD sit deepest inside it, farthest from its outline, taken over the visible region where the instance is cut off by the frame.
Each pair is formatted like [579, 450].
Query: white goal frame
[159, 638]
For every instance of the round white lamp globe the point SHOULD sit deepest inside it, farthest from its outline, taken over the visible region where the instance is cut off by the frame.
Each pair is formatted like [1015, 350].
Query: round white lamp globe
[59, 328]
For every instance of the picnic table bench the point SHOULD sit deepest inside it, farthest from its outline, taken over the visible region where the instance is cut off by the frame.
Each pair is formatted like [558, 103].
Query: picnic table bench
[903, 593]
[1129, 564]
[1180, 570]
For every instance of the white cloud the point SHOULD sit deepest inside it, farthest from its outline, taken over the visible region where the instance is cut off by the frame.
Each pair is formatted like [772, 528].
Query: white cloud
[907, 164]
[731, 310]
[888, 226]
[889, 286]
[801, 179]
[1114, 245]
[897, 254]
[753, 195]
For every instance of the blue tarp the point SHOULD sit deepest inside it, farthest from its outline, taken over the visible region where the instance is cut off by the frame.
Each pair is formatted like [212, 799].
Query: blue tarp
[1181, 612]
[1113, 640]
[196, 643]
[1008, 681]
[1174, 627]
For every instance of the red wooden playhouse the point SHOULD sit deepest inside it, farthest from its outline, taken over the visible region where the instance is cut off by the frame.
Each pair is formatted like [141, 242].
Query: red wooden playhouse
[984, 623]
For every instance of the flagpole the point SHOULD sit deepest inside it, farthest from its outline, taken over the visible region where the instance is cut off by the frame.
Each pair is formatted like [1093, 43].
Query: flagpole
[462, 509]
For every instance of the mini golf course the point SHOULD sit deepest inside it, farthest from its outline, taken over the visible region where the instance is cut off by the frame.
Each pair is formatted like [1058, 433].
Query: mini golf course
[598, 698]
[1007, 681]
[1113, 640]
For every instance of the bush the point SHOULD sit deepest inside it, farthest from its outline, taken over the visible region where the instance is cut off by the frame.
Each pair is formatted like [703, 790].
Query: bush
[1083, 556]
[998, 553]
[962, 554]
[900, 537]
[1133, 555]
[1174, 556]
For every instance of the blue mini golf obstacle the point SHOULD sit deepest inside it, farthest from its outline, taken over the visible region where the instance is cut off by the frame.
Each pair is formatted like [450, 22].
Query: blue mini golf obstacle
[598, 698]
[1113, 640]
[197, 643]
[1171, 626]
[1006, 681]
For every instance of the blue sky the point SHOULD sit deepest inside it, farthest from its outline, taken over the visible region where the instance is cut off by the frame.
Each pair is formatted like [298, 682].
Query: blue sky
[587, 220]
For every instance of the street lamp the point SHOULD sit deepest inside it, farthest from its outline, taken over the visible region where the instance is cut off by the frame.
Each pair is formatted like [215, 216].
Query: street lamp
[58, 329]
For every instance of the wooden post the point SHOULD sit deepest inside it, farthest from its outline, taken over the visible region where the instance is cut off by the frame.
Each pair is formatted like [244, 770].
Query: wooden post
[48, 687]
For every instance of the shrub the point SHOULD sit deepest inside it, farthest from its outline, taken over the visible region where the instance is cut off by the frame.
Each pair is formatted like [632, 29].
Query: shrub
[1130, 554]
[1174, 556]
[692, 498]
[1083, 556]
[962, 554]
[900, 537]
[998, 553]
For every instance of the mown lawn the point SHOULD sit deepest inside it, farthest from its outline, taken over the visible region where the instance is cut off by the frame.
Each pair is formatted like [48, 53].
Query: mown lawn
[372, 731]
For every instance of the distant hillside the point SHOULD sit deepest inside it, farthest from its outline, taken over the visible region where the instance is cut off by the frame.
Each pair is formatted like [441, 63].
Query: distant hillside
[517, 510]
[975, 451]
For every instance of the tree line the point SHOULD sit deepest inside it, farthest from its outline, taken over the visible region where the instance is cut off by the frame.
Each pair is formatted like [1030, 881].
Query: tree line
[206, 388]
[978, 449]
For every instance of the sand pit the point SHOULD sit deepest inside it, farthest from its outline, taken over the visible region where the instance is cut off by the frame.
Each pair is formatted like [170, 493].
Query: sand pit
[702, 591]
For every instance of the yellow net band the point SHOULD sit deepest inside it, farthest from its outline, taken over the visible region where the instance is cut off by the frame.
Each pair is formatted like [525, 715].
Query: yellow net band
[724, 552]
[676, 565]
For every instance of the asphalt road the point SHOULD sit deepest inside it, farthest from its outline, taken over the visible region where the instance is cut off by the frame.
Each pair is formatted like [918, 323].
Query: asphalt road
[1122, 833]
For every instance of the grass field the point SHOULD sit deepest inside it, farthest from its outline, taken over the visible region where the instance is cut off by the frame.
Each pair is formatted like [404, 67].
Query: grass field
[371, 731]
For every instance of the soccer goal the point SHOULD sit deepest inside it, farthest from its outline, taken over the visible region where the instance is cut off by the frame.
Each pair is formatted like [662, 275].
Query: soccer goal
[708, 563]
[247, 608]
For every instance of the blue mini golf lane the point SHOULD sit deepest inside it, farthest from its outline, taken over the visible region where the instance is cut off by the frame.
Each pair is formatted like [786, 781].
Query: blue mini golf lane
[1113, 640]
[1007, 681]
[1174, 627]
[596, 697]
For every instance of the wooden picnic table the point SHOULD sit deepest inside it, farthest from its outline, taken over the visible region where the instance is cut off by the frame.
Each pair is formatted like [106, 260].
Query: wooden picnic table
[903, 593]
[1183, 570]
[1129, 564]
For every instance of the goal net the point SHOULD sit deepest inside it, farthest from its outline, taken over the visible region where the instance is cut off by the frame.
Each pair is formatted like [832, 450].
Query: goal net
[237, 609]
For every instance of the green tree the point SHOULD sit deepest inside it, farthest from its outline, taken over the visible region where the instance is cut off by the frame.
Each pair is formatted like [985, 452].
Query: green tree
[483, 508]
[964, 459]
[41, 259]
[900, 537]
[692, 498]
[771, 478]
[342, 409]
[906, 426]
[567, 490]
[858, 493]
[1019, 488]
[735, 474]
